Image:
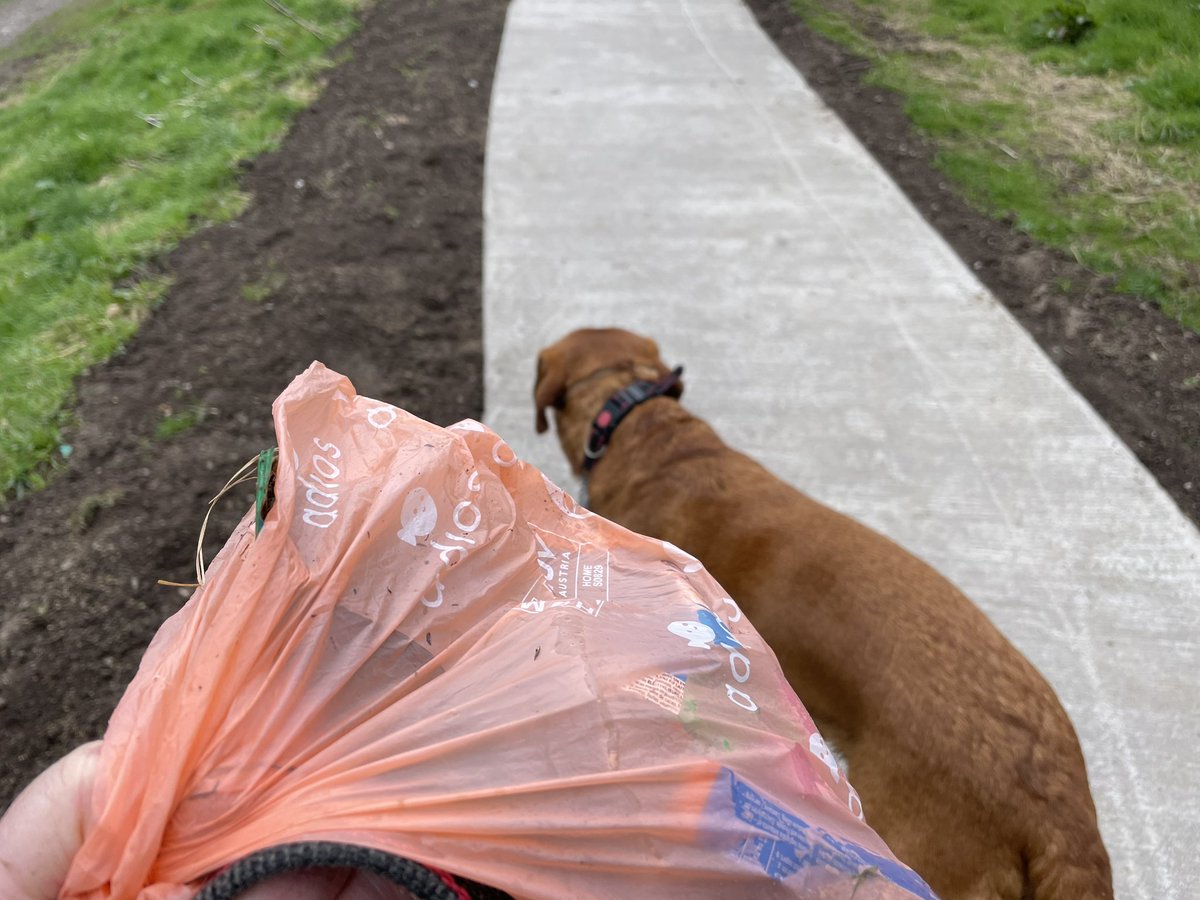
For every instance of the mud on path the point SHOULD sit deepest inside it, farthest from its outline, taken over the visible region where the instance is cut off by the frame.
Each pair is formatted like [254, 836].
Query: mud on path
[362, 248]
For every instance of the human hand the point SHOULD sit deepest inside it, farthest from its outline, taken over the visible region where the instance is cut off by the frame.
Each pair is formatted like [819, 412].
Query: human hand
[43, 829]
[45, 826]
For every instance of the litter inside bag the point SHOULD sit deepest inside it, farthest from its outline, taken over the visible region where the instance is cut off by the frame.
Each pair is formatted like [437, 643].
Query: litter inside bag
[430, 650]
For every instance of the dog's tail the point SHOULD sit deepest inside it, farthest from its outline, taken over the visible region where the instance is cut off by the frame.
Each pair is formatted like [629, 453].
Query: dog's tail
[1068, 862]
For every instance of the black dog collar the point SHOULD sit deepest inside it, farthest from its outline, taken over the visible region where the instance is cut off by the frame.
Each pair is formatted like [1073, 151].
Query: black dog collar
[621, 404]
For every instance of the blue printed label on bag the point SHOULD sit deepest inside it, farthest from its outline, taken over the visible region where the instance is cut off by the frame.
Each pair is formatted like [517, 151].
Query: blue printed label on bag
[787, 844]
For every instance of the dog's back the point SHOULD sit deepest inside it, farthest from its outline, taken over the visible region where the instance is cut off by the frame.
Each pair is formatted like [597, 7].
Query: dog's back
[967, 764]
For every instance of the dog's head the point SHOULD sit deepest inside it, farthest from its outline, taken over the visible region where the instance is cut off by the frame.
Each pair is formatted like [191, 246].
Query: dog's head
[576, 375]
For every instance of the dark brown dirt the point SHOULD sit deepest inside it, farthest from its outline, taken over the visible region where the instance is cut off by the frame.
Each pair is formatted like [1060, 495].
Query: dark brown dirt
[1137, 367]
[367, 223]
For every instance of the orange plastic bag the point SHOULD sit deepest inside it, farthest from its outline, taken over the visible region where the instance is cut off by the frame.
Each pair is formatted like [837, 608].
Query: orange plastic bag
[430, 650]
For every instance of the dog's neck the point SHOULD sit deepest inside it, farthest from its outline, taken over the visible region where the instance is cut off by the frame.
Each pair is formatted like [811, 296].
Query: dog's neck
[585, 399]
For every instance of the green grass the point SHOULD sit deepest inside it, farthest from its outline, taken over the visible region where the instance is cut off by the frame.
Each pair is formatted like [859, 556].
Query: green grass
[111, 150]
[260, 290]
[176, 423]
[1155, 42]
[1092, 147]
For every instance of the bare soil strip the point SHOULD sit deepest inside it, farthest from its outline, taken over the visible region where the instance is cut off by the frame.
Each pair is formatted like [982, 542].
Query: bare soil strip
[362, 248]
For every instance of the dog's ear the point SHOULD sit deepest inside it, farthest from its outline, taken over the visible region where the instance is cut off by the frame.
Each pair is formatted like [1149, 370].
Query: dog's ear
[551, 384]
[650, 349]
[675, 390]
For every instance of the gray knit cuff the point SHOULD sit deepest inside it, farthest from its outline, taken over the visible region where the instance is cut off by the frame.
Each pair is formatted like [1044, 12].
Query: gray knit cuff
[419, 881]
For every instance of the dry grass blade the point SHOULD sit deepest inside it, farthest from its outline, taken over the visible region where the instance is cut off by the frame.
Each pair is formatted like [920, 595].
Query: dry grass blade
[307, 26]
[239, 477]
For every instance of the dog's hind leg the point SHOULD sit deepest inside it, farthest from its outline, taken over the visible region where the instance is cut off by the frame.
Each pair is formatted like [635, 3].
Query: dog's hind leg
[933, 826]
[1068, 865]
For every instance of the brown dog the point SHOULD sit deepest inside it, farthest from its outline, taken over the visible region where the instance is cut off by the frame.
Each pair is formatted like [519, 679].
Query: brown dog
[965, 760]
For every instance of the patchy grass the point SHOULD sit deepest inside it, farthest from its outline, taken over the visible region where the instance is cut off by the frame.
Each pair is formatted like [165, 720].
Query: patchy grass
[122, 137]
[1091, 146]
[176, 422]
[260, 290]
[92, 505]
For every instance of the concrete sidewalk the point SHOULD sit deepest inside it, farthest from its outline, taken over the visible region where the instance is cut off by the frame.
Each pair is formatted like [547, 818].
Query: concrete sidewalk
[656, 164]
[17, 16]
